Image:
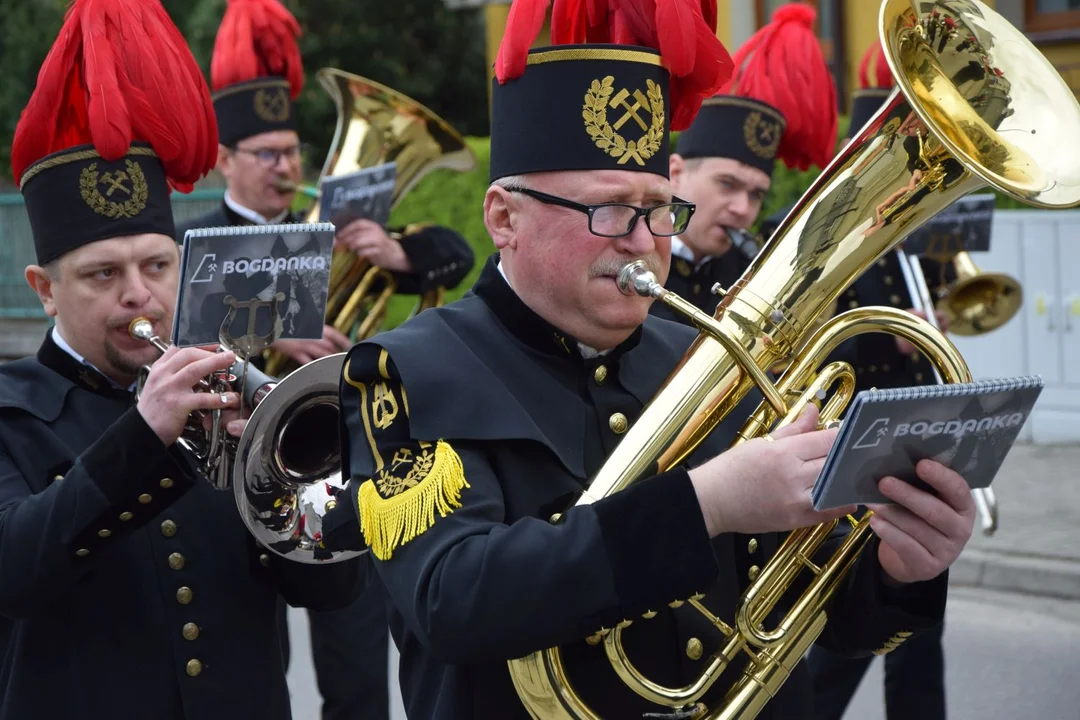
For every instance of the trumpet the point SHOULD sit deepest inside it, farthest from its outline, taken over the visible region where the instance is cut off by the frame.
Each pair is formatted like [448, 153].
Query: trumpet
[299, 455]
[978, 302]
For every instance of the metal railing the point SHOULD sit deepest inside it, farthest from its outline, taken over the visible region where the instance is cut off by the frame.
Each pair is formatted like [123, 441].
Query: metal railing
[17, 300]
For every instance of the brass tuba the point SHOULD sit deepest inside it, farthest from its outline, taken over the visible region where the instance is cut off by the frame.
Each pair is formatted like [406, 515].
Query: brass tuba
[976, 104]
[375, 125]
[978, 302]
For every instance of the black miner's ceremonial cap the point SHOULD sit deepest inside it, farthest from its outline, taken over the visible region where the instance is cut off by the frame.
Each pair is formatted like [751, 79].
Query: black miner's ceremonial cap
[583, 107]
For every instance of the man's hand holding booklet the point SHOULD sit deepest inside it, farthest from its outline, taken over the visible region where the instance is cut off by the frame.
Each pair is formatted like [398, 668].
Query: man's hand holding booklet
[969, 427]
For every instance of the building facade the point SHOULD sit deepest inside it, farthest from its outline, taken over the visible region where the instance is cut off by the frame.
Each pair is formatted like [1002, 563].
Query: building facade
[848, 27]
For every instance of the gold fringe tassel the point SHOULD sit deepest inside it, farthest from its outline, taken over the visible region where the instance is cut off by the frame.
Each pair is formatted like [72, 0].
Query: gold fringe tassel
[388, 523]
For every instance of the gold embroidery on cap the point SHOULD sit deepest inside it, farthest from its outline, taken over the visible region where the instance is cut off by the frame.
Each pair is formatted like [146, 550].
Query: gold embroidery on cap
[762, 135]
[601, 96]
[125, 193]
[272, 104]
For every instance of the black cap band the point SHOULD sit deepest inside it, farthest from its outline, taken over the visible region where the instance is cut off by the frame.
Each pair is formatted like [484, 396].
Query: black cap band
[730, 126]
[864, 104]
[254, 107]
[74, 198]
[583, 107]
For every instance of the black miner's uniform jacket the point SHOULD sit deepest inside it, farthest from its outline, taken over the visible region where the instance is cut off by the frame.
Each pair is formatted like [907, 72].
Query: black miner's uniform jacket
[129, 586]
[531, 420]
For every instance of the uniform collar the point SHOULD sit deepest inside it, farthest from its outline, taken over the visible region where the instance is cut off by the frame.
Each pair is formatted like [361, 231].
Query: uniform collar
[252, 216]
[57, 355]
[523, 323]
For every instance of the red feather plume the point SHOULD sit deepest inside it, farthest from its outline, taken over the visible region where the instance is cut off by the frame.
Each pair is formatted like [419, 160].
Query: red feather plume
[782, 65]
[257, 38]
[119, 72]
[883, 77]
[683, 31]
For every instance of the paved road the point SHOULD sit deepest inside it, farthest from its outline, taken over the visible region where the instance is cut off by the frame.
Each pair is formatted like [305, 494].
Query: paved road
[1008, 656]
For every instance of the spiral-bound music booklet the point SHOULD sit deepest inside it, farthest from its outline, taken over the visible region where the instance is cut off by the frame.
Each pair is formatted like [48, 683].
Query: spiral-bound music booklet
[366, 193]
[245, 287]
[969, 427]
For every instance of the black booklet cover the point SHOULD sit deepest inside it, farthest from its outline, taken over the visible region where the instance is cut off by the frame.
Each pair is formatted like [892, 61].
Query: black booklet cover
[366, 193]
[245, 287]
[969, 427]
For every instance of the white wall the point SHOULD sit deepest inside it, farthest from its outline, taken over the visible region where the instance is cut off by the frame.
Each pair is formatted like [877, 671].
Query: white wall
[1041, 250]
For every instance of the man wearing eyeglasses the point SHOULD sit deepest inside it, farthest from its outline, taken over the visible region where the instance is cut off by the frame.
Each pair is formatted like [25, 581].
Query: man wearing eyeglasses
[472, 430]
[259, 156]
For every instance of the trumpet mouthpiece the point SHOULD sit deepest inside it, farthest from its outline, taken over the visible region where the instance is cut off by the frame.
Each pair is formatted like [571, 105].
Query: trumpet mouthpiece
[636, 279]
[141, 329]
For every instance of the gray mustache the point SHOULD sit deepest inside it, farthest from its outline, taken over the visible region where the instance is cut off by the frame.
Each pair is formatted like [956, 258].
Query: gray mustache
[612, 267]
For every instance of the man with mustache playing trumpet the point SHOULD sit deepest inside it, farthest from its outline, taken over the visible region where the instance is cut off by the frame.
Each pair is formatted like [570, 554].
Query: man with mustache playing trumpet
[129, 586]
[465, 471]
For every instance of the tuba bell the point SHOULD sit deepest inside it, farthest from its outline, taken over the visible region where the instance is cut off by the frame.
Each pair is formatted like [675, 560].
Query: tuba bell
[978, 302]
[976, 104]
[375, 125]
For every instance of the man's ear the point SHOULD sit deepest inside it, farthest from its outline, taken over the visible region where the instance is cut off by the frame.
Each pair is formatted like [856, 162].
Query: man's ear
[499, 215]
[39, 281]
[224, 160]
[676, 168]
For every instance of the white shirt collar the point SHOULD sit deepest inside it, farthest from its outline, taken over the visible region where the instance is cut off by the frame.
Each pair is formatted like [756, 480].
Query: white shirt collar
[63, 345]
[586, 352]
[251, 214]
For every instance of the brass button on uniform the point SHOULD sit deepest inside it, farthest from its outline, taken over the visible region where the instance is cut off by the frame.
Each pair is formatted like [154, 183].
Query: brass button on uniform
[166, 483]
[600, 374]
[694, 649]
[853, 304]
[168, 528]
[752, 546]
[882, 262]
[184, 595]
[125, 516]
[82, 552]
[194, 667]
[264, 560]
[145, 499]
[888, 280]
[618, 423]
[176, 561]
[894, 299]
[104, 533]
[58, 477]
[754, 570]
[191, 631]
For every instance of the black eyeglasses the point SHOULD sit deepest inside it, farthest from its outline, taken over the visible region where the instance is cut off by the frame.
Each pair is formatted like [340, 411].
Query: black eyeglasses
[616, 220]
[269, 157]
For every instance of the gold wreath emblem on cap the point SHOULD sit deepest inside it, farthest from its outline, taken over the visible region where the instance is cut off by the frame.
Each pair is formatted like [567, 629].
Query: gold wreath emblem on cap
[762, 135]
[125, 193]
[272, 105]
[601, 96]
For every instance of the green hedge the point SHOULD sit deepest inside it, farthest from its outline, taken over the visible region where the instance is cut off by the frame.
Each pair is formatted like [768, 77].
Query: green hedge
[456, 200]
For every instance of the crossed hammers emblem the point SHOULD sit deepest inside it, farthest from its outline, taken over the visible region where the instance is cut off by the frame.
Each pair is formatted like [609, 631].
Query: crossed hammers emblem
[115, 181]
[620, 100]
